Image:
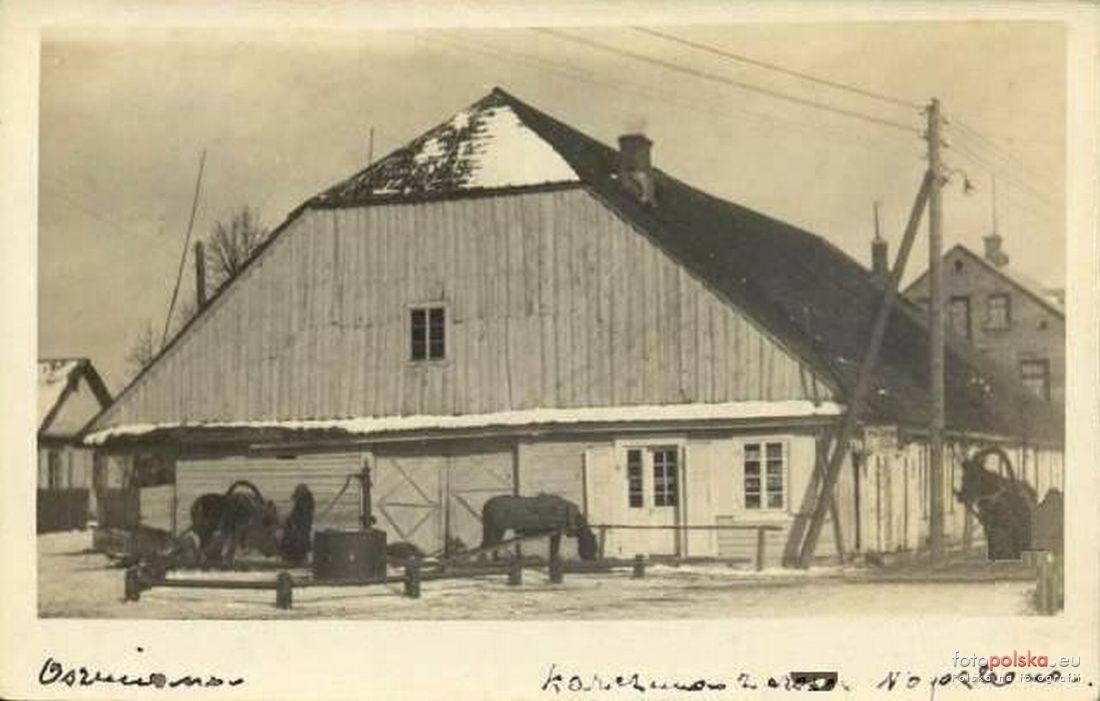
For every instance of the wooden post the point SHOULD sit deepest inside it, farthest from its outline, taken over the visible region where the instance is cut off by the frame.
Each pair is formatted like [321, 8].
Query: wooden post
[200, 276]
[760, 541]
[603, 540]
[639, 566]
[284, 590]
[936, 336]
[516, 568]
[815, 505]
[556, 568]
[132, 584]
[412, 578]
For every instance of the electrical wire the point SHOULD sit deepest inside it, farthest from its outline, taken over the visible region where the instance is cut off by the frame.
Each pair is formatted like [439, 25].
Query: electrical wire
[777, 68]
[713, 77]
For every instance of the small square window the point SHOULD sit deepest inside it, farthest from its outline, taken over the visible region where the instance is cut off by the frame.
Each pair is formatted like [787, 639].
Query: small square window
[1035, 375]
[428, 328]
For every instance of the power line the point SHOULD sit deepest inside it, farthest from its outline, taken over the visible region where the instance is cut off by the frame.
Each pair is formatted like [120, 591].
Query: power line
[186, 245]
[779, 69]
[568, 71]
[1007, 175]
[706, 75]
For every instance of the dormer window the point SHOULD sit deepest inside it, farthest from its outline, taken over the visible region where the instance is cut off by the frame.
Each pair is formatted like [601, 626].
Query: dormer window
[427, 327]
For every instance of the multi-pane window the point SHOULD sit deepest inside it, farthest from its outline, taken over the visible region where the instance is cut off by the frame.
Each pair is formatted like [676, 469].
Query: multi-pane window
[958, 311]
[1036, 376]
[428, 326]
[634, 488]
[665, 474]
[998, 311]
[663, 464]
[764, 468]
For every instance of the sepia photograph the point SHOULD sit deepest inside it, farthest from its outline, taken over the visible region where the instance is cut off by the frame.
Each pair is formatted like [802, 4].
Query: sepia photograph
[618, 321]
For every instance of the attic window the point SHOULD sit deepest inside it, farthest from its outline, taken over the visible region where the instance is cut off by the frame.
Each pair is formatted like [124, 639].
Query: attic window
[958, 266]
[428, 328]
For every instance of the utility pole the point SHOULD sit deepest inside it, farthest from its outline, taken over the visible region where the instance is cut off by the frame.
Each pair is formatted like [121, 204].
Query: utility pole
[936, 335]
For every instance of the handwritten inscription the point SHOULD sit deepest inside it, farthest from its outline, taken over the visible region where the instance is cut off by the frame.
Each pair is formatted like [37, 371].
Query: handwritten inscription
[55, 672]
[557, 682]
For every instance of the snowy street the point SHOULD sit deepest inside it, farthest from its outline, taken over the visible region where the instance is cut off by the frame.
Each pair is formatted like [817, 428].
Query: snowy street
[76, 582]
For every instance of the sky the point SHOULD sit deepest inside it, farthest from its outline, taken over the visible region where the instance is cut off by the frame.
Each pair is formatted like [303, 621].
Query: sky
[125, 117]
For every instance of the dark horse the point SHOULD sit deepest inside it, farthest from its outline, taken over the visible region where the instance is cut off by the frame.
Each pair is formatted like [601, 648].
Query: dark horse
[241, 518]
[1001, 503]
[526, 516]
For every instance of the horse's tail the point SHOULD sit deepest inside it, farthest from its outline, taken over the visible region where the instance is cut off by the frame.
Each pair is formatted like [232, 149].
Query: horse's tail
[247, 485]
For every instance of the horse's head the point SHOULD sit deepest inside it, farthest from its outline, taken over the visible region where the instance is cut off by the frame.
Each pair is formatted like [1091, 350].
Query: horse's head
[977, 481]
[587, 546]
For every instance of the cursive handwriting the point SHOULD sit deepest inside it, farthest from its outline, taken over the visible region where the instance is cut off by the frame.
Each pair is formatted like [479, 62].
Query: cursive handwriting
[557, 682]
[54, 672]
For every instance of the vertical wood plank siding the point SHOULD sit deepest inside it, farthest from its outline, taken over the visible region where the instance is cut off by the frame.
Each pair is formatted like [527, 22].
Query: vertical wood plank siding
[552, 301]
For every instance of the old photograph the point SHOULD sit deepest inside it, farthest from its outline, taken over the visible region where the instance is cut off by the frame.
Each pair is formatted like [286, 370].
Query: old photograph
[557, 323]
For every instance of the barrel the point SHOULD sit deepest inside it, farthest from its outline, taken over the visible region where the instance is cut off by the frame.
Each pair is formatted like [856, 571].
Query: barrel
[349, 554]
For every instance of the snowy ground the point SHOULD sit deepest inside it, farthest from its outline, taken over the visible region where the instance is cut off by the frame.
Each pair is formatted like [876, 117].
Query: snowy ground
[75, 582]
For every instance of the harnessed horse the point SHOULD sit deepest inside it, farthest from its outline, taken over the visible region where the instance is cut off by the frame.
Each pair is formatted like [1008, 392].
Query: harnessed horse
[1001, 503]
[537, 515]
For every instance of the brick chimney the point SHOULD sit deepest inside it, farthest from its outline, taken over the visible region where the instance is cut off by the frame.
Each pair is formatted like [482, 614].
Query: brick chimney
[880, 263]
[635, 169]
[993, 251]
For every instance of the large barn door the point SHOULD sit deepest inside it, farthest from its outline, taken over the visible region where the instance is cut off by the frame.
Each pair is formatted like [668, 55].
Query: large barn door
[421, 497]
[407, 492]
[473, 479]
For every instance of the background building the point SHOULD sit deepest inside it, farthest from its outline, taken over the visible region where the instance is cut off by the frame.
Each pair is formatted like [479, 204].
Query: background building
[1013, 321]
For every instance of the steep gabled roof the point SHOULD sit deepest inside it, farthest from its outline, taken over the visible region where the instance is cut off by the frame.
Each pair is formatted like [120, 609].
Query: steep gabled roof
[1018, 280]
[58, 378]
[805, 292]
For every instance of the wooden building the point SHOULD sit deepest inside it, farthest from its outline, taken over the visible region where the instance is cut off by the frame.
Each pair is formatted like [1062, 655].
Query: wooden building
[1013, 321]
[70, 394]
[507, 305]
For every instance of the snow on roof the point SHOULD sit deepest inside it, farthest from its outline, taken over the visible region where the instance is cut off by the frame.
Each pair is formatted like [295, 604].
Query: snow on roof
[53, 378]
[486, 146]
[389, 424]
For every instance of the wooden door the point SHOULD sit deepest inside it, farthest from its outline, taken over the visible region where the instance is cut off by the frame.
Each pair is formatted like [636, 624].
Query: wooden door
[408, 498]
[641, 486]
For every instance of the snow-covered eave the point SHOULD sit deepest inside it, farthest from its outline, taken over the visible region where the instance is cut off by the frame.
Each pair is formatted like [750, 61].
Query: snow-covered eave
[377, 426]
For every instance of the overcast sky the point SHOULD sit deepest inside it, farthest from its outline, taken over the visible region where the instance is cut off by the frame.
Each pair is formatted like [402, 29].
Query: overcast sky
[123, 122]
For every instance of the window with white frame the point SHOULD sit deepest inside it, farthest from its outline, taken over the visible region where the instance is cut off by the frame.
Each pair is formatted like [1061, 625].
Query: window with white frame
[764, 466]
[428, 327]
[666, 472]
[655, 471]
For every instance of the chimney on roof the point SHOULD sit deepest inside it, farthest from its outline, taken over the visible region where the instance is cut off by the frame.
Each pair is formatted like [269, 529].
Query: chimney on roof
[993, 251]
[880, 264]
[200, 275]
[635, 168]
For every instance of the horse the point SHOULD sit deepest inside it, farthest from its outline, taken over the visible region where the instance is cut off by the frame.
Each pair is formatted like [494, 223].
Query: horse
[1002, 504]
[238, 518]
[537, 515]
[296, 535]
